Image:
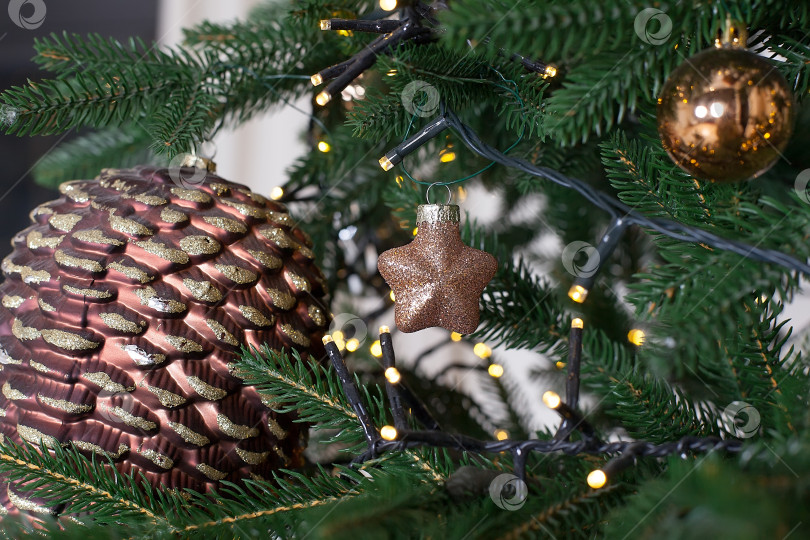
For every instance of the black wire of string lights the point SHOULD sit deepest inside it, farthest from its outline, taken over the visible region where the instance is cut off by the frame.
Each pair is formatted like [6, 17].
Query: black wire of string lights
[416, 25]
[399, 437]
[621, 214]
[393, 32]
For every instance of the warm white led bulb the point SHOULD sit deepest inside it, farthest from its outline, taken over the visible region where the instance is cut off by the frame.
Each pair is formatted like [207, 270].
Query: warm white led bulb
[392, 375]
[389, 433]
[551, 399]
[388, 5]
[597, 479]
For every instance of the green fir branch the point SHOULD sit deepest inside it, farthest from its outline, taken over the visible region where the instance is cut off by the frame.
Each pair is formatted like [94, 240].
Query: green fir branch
[63, 476]
[85, 156]
[518, 308]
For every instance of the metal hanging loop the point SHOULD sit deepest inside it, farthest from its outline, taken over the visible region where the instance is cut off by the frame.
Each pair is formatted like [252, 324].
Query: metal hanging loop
[449, 193]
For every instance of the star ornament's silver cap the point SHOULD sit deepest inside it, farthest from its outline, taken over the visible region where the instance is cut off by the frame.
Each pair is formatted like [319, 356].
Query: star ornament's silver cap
[437, 213]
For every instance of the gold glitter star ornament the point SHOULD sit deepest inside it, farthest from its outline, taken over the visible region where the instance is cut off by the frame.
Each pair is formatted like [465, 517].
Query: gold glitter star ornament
[437, 279]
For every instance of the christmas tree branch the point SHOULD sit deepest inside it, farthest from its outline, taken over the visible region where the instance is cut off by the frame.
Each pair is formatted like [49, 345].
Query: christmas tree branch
[84, 156]
[272, 504]
[513, 297]
[313, 393]
[539, 520]
[232, 521]
[81, 485]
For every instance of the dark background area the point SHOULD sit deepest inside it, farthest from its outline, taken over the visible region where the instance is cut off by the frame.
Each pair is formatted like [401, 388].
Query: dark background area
[117, 18]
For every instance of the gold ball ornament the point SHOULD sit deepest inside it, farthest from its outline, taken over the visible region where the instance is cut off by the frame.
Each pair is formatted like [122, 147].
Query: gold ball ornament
[725, 115]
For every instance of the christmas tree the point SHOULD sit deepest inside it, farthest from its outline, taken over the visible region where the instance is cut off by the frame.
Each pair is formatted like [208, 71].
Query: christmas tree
[671, 235]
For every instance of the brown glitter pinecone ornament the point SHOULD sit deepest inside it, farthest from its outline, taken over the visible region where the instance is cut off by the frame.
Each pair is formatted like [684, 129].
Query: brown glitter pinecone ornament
[123, 308]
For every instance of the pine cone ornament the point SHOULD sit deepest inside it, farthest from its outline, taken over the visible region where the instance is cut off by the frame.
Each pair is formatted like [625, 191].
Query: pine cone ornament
[124, 307]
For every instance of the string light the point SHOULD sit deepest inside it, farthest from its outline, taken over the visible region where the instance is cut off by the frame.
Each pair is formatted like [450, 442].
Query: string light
[455, 336]
[324, 146]
[597, 479]
[551, 399]
[550, 71]
[482, 350]
[495, 370]
[388, 5]
[316, 79]
[323, 98]
[393, 375]
[560, 364]
[577, 323]
[378, 26]
[276, 193]
[607, 245]
[352, 345]
[392, 296]
[393, 32]
[434, 437]
[397, 154]
[376, 349]
[389, 433]
[578, 293]
[570, 415]
[636, 337]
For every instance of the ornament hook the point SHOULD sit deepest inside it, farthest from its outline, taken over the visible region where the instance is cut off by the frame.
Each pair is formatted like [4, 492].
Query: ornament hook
[449, 193]
[204, 160]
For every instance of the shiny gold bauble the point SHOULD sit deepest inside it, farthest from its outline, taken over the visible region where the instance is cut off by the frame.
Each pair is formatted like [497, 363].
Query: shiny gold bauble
[725, 115]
